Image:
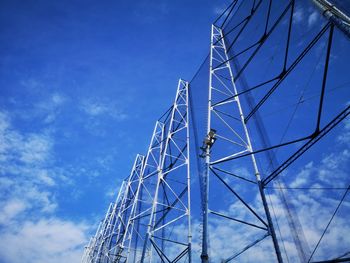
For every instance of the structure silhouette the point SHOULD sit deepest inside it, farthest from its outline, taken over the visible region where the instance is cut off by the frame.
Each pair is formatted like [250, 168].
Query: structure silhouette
[231, 172]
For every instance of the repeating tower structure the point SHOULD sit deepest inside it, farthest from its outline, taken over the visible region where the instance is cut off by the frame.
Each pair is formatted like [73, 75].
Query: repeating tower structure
[171, 200]
[242, 210]
[140, 212]
[227, 139]
[106, 244]
[153, 205]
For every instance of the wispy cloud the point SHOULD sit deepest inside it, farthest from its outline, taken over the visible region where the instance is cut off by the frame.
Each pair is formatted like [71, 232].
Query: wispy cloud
[28, 179]
[298, 15]
[313, 207]
[218, 10]
[24, 161]
[159, 11]
[345, 136]
[11, 209]
[47, 240]
[52, 106]
[44, 108]
[312, 19]
[96, 108]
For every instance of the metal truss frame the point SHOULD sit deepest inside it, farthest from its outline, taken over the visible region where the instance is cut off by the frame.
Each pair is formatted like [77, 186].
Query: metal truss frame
[94, 251]
[222, 60]
[132, 241]
[222, 85]
[117, 237]
[171, 203]
[105, 245]
[154, 197]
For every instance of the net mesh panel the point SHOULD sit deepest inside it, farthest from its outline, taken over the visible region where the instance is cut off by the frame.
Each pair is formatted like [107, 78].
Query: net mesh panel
[284, 110]
[198, 95]
[278, 52]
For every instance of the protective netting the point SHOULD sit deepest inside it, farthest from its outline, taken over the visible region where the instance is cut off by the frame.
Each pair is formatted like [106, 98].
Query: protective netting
[275, 93]
[290, 67]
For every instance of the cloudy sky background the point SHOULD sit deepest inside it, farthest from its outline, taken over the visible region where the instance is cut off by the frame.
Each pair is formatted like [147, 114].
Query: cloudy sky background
[82, 83]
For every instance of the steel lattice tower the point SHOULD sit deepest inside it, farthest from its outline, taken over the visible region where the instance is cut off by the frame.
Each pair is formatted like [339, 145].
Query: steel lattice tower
[241, 169]
[154, 198]
[224, 102]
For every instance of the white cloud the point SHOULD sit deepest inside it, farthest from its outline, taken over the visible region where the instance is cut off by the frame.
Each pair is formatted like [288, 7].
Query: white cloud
[313, 207]
[21, 153]
[58, 99]
[218, 10]
[47, 240]
[31, 84]
[35, 148]
[95, 108]
[29, 231]
[25, 172]
[298, 15]
[345, 136]
[52, 106]
[10, 209]
[53, 101]
[46, 108]
[313, 17]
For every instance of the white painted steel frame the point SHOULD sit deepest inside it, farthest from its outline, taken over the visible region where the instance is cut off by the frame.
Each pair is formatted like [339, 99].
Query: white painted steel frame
[117, 238]
[150, 166]
[179, 117]
[218, 54]
[119, 230]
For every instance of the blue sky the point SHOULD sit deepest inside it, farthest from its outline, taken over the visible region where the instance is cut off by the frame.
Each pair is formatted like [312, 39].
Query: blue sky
[82, 83]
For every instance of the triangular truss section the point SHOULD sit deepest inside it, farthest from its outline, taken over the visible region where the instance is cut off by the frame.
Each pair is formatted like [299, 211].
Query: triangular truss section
[227, 139]
[171, 204]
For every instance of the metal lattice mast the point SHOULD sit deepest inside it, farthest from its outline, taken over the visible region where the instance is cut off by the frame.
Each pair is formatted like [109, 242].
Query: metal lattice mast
[132, 242]
[171, 202]
[116, 238]
[91, 248]
[225, 113]
[99, 242]
[88, 251]
[104, 229]
[104, 245]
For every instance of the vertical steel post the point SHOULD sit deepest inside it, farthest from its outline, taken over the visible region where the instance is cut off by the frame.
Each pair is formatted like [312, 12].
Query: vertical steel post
[188, 176]
[101, 234]
[250, 148]
[333, 14]
[163, 173]
[155, 200]
[136, 207]
[204, 254]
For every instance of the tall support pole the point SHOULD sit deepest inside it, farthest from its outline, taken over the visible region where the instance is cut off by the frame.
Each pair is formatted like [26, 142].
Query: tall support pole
[132, 185]
[141, 206]
[256, 170]
[101, 234]
[224, 85]
[189, 221]
[121, 212]
[87, 252]
[174, 177]
[107, 226]
[94, 246]
[205, 176]
[335, 15]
